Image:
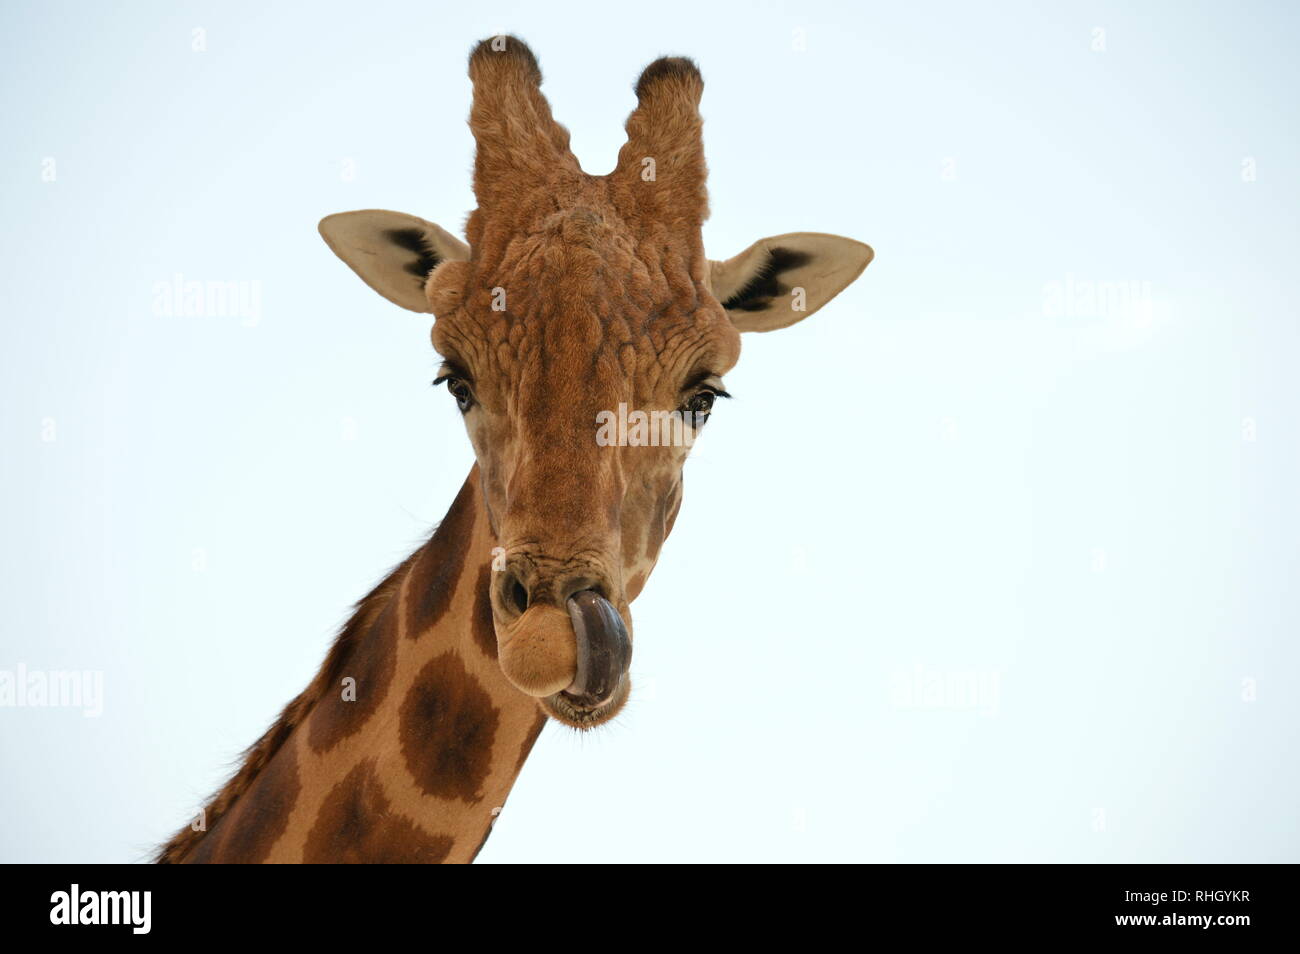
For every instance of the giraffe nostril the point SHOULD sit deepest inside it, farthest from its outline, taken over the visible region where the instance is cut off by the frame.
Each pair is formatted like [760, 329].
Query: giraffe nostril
[516, 595]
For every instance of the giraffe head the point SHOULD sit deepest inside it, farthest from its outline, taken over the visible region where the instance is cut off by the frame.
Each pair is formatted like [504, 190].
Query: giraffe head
[585, 336]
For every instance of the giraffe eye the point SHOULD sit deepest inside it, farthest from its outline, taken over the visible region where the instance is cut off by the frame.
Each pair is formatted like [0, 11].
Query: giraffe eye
[699, 407]
[702, 403]
[459, 389]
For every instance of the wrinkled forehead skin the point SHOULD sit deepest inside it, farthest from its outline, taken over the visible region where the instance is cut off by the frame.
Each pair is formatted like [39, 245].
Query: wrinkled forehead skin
[576, 314]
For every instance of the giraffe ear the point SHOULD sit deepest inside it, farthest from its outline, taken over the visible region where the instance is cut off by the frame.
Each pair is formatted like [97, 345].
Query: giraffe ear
[391, 251]
[783, 279]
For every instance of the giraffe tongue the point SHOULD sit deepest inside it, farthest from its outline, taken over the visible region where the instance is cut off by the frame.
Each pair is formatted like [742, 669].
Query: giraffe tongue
[604, 649]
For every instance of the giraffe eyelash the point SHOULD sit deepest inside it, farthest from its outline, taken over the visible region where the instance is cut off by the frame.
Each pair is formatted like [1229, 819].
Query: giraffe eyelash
[449, 371]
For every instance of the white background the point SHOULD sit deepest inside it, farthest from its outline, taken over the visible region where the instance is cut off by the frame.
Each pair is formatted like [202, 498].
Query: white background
[944, 474]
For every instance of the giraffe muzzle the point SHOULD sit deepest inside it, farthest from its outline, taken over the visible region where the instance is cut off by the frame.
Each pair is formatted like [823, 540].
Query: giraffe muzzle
[572, 656]
[603, 647]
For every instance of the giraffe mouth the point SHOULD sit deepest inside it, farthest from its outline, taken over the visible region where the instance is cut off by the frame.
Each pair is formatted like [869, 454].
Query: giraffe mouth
[603, 650]
[572, 712]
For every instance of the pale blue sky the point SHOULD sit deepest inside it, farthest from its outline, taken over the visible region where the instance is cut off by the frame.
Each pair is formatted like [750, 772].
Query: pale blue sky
[1087, 511]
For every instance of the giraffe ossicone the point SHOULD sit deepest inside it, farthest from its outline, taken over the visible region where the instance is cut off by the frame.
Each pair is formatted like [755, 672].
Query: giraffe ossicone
[575, 296]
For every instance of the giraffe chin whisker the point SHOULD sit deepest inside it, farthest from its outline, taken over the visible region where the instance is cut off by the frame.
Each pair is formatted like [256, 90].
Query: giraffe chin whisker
[580, 714]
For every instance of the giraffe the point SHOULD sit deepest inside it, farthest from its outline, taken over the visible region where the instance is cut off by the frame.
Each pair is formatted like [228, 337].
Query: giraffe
[574, 295]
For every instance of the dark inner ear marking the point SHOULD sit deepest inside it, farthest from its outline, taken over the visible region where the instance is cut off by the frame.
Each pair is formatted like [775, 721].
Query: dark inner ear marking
[356, 825]
[414, 240]
[758, 292]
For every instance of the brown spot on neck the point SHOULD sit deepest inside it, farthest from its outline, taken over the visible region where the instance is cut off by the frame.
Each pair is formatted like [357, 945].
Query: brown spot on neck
[247, 834]
[483, 629]
[448, 726]
[356, 825]
[439, 565]
[370, 661]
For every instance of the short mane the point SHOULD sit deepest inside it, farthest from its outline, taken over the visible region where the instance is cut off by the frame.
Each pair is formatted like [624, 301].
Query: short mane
[256, 757]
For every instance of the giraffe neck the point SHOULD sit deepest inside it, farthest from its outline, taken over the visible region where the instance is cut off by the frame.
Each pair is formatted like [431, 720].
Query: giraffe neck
[409, 739]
